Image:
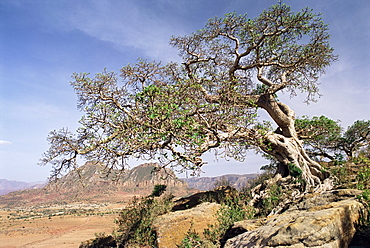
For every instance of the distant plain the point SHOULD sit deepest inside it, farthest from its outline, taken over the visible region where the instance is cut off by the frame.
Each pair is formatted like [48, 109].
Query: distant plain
[55, 226]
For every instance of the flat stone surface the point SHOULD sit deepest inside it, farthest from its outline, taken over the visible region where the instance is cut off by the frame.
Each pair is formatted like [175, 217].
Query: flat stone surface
[325, 220]
[171, 228]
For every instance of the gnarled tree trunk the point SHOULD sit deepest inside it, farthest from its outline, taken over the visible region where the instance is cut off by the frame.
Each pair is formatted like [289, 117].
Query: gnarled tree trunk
[284, 145]
[290, 154]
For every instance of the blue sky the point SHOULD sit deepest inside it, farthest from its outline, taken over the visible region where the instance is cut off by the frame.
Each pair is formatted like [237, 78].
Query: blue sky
[43, 42]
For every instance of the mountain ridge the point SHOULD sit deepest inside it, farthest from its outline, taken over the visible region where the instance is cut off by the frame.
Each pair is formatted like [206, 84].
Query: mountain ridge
[93, 184]
[237, 181]
[7, 186]
[201, 183]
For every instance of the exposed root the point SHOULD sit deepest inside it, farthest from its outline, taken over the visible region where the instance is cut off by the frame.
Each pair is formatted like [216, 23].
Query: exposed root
[291, 189]
[327, 184]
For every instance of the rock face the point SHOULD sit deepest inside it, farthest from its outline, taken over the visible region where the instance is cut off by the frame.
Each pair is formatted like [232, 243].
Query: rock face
[171, 228]
[216, 195]
[92, 183]
[325, 220]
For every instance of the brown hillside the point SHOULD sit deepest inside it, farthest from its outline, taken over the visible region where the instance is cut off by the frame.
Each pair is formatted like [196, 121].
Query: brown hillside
[92, 184]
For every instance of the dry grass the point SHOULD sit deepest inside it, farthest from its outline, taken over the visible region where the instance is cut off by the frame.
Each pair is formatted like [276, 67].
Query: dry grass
[32, 228]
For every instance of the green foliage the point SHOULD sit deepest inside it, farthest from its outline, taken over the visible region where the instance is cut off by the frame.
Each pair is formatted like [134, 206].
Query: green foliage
[365, 195]
[175, 113]
[317, 128]
[193, 240]
[135, 221]
[233, 209]
[362, 235]
[363, 177]
[268, 173]
[323, 137]
[320, 135]
[294, 171]
[351, 174]
[275, 193]
[101, 240]
[356, 137]
[158, 190]
[342, 173]
[134, 224]
[261, 89]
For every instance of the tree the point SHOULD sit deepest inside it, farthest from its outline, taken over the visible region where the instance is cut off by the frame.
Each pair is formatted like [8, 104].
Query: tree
[324, 137]
[356, 138]
[320, 135]
[175, 113]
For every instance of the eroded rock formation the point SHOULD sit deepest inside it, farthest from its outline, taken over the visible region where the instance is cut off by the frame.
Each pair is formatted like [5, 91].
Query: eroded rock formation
[317, 220]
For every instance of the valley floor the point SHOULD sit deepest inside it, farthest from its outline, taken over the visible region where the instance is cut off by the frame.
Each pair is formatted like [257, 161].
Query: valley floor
[55, 226]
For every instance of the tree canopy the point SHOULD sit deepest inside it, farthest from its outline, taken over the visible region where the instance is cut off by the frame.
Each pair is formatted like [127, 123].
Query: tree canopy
[325, 138]
[175, 113]
[320, 135]
[356, 138]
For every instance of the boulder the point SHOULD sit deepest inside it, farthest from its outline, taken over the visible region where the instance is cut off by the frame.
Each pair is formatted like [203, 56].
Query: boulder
[216, 195]
[242, 227]
[171, 228]
[317, 220]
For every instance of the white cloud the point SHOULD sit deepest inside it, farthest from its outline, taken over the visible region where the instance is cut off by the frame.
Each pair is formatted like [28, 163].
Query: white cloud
[128, 26]
[5, 142]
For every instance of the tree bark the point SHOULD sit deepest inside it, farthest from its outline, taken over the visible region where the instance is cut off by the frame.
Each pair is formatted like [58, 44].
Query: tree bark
[290, 153]
[284, 145]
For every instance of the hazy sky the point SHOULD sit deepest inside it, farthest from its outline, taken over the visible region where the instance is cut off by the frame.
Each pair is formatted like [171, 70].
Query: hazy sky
[42, 42]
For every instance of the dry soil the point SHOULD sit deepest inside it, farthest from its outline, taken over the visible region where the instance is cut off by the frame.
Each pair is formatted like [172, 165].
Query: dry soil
[54, 227]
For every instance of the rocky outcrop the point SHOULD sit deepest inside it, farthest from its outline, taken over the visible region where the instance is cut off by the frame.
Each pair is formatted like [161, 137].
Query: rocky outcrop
[217, 195]
[207, 183]
[327, 220]
[323, 220]
[148, 174]
[172, 228]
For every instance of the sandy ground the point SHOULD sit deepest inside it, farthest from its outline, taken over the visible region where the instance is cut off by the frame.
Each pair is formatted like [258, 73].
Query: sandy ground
[23, 229]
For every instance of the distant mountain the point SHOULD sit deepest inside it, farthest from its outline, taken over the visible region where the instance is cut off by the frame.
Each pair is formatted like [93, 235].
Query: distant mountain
[207, 183]
[93, 184]
[7, 186]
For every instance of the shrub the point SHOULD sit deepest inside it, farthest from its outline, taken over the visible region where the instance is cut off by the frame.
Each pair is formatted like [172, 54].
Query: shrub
[158, 190]
[274, 197]
[294, 170]
[351, 174]
[363, 177]
[135, 221]
[193, 240]
[134, 224]
[233, 209]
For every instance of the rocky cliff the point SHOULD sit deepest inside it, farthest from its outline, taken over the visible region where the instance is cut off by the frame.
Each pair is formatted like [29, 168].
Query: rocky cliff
[92, 182]
[142, 178]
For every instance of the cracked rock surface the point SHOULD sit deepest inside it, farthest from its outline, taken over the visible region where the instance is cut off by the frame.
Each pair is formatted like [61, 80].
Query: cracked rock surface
[317, 220]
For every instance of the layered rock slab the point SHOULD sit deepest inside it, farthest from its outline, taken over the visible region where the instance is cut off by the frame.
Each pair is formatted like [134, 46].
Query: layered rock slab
[172, 228]
[326, 220]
